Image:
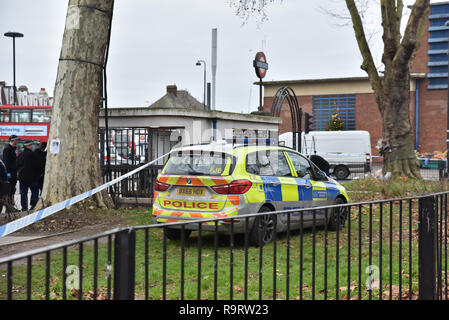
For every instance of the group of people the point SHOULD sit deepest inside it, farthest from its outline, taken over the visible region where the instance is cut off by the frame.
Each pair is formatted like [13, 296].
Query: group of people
[27, 167]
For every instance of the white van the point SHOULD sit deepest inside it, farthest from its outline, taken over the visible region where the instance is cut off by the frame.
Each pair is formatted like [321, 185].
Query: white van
[346, 151]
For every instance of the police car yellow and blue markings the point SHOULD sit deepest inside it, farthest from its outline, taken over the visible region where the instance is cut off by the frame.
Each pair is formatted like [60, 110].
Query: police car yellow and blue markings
[264, 189]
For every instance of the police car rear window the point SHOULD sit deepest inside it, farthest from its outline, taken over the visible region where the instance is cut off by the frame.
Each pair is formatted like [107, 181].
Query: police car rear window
[200, 164]
[268, 163]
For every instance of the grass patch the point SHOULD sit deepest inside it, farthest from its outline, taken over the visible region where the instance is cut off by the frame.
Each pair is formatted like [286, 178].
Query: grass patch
[334, 265]
[370, 188]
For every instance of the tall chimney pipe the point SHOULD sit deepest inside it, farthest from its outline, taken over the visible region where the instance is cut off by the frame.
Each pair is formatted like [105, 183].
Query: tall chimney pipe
[214, 65]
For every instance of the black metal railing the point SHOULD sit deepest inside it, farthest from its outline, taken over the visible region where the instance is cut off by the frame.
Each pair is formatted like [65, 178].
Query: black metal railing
[389, 249]
[358, 170]
[134, 188]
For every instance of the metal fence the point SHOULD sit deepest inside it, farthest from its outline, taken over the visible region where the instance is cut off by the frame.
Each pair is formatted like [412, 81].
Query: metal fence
[135, 188]
[391, 249]
[352, 171]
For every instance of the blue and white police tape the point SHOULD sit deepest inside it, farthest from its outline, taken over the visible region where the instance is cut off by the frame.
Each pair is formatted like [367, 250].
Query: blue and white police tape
[27, 220]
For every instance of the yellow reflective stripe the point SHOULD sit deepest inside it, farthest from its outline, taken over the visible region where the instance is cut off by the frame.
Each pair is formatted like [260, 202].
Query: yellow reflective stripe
[256, 193]
[289, 189]
[290, 164]
[319, 186]
[227, 167]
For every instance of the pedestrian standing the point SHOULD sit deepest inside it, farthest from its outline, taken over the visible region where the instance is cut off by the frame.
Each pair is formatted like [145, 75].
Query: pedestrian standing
[28, 168]
[42, 155]
[10, 160]
[4, 187]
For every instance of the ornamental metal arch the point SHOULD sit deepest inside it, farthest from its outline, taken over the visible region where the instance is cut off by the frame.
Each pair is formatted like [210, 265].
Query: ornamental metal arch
[287, 93]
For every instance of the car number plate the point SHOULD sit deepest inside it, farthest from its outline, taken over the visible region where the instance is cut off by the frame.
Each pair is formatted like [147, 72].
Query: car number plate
[199, 192]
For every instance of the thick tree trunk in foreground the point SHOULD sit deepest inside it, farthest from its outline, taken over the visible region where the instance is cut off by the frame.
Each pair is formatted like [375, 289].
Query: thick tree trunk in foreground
[392, 91]
[74, 121]
[400, 158]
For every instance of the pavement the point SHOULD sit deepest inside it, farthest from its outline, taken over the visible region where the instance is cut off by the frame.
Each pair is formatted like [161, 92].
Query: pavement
[7, 240]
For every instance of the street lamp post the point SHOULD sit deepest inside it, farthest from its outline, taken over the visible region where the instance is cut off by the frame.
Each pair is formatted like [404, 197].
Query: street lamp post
[198, 63]
[14, 35]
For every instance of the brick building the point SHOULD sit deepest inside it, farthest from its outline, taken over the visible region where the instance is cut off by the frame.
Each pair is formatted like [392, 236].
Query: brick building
[354, 100]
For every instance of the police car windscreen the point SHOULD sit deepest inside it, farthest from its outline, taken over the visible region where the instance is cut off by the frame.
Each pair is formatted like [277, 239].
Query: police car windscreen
[199, 163]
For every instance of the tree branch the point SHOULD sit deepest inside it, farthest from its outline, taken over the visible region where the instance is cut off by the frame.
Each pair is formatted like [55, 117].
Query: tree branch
[413, 32]
[368, 61]
[391, 26]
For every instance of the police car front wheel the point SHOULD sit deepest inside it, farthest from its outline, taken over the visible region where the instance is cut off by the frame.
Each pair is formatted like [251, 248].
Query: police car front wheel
[337, 216]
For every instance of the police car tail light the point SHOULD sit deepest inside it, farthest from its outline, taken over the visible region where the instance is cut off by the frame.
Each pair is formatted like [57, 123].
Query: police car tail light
[235, 187]
[161, 186]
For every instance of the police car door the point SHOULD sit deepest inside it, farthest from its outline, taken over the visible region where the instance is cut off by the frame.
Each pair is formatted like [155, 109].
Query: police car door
[312, 193]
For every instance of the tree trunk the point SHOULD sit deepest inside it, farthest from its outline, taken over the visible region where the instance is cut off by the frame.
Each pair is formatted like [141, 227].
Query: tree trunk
[74, 120]
[400, 158]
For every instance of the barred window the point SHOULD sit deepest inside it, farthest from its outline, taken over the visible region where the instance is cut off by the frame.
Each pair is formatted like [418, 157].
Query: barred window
[324, 106]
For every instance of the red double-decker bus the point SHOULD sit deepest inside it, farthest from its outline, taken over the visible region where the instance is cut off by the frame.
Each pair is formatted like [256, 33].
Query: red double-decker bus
[26, 122]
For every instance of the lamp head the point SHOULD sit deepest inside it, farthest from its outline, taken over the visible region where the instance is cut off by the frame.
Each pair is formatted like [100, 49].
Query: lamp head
[13, 34]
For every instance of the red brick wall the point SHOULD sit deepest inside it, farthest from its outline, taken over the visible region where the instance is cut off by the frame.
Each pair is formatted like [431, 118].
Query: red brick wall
[367, 117]
[421, 57]
[432, 119]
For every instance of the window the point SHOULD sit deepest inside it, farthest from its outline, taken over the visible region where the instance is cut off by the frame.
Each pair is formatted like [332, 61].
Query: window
[268, 163]
[4, 115]
[302, 165]
[39, 116]
[20, 115]
[202, 164]
[324, 106]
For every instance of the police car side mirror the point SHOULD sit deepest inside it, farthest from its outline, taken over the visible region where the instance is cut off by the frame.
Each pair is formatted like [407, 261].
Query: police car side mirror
[321, 175]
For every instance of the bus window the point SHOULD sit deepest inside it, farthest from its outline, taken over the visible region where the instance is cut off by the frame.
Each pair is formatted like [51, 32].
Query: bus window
[20, 115]
[39, 116]
[4, 115]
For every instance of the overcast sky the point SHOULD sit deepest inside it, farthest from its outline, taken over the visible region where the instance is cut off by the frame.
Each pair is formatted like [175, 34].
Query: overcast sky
[155, 43]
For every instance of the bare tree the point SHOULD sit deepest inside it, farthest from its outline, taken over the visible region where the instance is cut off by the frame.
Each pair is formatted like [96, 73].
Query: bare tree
[392, 89]
[74, 122]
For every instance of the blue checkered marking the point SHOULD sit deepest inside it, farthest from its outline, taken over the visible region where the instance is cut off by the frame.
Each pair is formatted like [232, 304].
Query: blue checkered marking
[272, 192]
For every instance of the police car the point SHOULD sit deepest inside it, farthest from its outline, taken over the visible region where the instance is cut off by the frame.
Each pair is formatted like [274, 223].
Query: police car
[224, 180]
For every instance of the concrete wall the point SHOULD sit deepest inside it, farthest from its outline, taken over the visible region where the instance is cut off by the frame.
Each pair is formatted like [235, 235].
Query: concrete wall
[195, 126]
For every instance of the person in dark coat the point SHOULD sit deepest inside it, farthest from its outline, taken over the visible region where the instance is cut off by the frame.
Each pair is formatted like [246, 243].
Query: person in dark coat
[3, 172]
[4, 187]
[42, 155]
[321, 163]
[28, 169]
[10, 160]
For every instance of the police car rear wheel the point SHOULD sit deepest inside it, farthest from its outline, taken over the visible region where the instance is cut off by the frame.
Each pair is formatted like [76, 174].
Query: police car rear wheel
[338, 216]
[263, 228]
[176, 234]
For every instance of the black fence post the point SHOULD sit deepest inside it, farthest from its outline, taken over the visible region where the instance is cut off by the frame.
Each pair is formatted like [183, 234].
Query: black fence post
[427, 248]
[124, 264]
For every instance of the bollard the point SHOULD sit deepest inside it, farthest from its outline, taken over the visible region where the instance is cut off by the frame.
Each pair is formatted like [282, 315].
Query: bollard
[124, 264]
